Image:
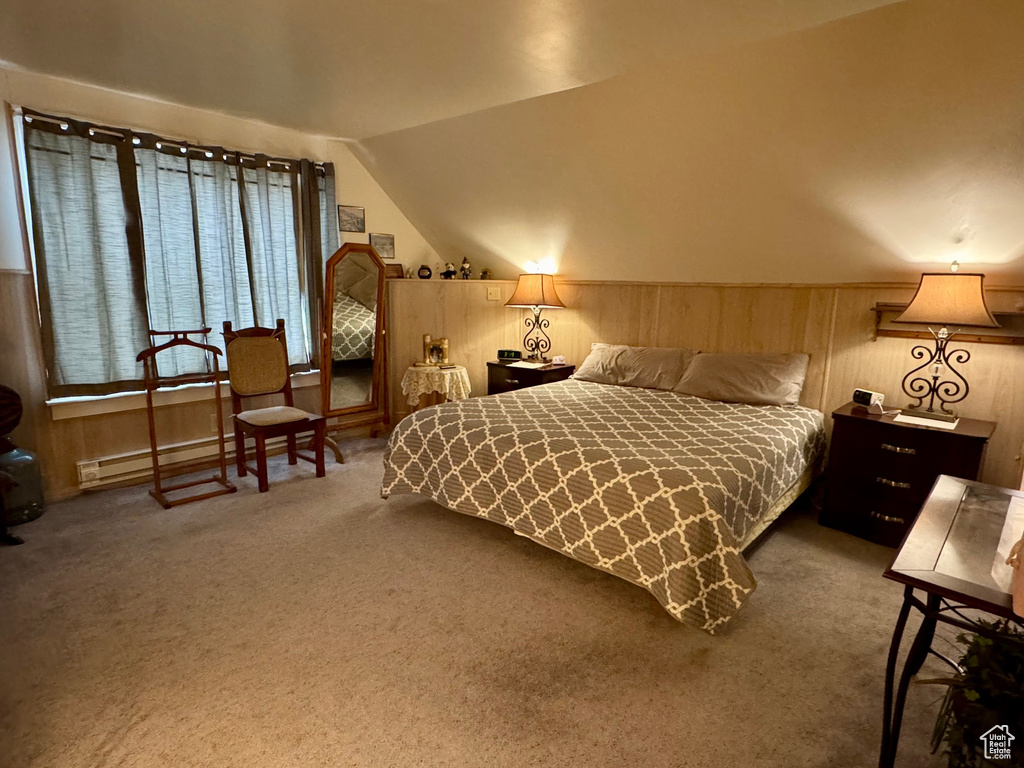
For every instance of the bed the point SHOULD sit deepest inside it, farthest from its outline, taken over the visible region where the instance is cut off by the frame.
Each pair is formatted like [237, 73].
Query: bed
[661, 489]
[354, 329]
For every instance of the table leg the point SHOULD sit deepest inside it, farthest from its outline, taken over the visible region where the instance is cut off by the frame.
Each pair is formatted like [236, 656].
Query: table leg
[890, 676]
[915, 658]
[331, 443]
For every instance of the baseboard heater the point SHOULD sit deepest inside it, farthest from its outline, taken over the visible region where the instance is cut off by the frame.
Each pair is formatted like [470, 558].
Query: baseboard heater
[138, 465]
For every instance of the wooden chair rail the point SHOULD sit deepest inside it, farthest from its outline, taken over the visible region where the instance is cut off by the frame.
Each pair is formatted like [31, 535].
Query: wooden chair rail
[1011, 330]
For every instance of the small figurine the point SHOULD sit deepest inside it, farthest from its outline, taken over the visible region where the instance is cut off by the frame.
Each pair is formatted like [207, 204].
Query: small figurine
[449, 271]
[465, 269]
[485, 274]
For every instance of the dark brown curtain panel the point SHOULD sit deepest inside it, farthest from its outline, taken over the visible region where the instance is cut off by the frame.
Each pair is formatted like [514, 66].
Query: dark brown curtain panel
[318, 224]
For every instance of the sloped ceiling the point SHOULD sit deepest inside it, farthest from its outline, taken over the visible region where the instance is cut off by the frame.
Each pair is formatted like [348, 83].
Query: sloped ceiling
[865, 149]
[354, 68]
[727, 141]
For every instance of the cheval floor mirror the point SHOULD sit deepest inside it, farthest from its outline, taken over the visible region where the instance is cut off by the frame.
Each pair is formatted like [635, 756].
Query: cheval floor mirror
[353, 352]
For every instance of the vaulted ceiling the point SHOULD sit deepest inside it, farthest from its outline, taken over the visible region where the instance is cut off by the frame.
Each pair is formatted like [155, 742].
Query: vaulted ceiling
[713, 141]
[353, 69]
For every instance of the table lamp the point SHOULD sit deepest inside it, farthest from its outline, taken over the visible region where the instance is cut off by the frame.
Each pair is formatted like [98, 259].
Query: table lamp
[943, 299]
[536, 292]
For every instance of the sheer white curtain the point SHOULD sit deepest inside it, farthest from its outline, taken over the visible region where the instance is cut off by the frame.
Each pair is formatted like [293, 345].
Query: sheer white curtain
[227, 290]
[172, 273]
[271, 199]
[95, 321]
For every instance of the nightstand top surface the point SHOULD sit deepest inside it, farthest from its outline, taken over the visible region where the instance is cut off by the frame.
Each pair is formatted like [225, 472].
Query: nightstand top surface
[975, 428]
[548, 367]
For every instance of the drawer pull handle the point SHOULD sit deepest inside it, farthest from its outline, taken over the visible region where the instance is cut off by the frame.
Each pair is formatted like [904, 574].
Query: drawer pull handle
[892, 483]
[887, 518]
[511, 381]
[897, 449]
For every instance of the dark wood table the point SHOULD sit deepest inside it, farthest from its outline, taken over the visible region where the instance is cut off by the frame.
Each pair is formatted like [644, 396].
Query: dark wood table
[949, 554]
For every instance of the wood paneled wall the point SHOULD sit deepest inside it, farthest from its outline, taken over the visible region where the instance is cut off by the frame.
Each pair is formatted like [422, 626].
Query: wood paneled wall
[833, 324]
[21, 356]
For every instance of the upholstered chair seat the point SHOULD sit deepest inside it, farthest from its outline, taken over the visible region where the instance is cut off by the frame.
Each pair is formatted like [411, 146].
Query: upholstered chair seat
[275, 414]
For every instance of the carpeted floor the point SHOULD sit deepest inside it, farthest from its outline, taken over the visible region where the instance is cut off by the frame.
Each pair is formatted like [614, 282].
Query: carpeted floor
[317, 625]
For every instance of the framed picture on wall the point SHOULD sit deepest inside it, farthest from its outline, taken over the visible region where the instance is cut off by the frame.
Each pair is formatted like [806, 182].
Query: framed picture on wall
[351, 218]
[384, 245]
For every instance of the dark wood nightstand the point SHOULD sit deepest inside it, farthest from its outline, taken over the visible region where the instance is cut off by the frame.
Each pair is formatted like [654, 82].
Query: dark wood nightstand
[503, 378]
[880, 471]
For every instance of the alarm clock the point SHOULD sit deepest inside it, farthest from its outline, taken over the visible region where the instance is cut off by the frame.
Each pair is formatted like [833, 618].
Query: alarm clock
[867, 398]
[510, 354]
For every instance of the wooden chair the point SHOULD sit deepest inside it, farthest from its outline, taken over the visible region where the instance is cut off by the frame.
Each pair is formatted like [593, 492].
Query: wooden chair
[258, 365]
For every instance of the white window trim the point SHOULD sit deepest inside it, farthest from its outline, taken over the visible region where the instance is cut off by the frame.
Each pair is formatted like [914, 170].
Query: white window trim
[62, 408]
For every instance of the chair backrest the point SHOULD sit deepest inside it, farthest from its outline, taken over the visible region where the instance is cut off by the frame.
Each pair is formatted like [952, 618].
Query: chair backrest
[257, 362]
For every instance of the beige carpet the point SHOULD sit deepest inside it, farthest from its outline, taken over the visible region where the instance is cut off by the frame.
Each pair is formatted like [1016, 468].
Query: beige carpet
[317, 625]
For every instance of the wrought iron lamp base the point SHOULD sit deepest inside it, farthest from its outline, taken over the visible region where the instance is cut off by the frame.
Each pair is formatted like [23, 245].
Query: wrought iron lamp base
[930, 386]
[536, 342]
[924, 413]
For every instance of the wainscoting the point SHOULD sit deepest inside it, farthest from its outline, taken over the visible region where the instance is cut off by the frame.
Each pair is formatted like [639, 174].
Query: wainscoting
[62, 443]
[833, 324]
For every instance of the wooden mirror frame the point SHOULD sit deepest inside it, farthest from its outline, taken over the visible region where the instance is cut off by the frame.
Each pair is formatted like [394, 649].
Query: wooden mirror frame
[375, 411]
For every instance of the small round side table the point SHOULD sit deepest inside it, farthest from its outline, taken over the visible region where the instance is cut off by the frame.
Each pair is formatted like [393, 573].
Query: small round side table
[430, 385]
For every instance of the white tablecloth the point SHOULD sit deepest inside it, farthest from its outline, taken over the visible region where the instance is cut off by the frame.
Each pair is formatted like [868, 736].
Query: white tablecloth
[453, 383]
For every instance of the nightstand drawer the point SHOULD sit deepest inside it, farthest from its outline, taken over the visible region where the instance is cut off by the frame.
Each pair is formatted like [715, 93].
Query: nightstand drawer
[505, 379]
[877, 512]
[883, 445]
[900, 478]
[508, 378]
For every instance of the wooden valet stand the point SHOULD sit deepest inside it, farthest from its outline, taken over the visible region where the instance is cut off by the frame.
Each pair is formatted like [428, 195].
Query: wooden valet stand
[154, 381]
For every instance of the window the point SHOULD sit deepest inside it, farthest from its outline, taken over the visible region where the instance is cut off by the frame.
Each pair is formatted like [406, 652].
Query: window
[135, 233]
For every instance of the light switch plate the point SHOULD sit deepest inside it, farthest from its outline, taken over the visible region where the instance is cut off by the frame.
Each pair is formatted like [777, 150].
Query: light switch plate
[493, 293]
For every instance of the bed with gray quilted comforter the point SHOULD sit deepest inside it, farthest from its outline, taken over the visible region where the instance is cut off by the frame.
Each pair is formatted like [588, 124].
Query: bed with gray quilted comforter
[660, 489]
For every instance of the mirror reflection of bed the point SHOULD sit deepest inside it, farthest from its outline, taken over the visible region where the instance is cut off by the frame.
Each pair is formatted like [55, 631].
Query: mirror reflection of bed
[354, 325]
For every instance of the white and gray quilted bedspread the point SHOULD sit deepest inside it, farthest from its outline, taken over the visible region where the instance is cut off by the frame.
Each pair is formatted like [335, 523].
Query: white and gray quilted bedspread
[354, 328]
[658, 488]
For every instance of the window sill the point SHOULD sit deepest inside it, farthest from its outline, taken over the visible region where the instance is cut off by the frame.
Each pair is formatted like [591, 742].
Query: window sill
[77, 407]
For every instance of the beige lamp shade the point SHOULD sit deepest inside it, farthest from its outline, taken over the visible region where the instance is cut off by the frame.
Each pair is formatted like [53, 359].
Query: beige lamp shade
[535, 291]
[949, 298]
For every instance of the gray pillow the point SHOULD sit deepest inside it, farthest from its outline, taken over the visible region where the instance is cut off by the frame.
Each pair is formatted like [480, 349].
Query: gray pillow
[365, 292]
[751, 379]
[649, 367]
[348, 273]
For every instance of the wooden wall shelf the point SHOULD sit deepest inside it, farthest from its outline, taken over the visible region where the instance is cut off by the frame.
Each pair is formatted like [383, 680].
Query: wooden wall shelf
[1010, 330]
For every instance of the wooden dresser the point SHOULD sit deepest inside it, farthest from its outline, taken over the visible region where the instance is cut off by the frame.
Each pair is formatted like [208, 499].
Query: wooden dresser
[503, 378]
[880, 471]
